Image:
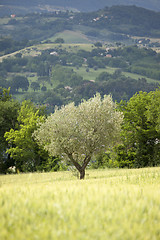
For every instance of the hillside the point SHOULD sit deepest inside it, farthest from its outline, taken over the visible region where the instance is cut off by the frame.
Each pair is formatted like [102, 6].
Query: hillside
[115, 23]
[24, 6]
[59, 57]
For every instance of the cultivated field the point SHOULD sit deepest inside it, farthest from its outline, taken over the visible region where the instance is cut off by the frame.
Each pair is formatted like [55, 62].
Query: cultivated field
[108, 204]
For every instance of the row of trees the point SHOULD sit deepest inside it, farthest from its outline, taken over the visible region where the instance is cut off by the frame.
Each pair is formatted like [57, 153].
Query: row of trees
[19, 82]
[129, 132]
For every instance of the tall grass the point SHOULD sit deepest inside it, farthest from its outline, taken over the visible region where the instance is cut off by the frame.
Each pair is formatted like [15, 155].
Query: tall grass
[108, 204]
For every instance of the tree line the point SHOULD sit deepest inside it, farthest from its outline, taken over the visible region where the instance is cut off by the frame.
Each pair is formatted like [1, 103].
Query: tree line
[95, 133]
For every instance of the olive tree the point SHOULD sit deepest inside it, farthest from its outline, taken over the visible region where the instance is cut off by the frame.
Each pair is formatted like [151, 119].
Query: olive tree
[78, 132]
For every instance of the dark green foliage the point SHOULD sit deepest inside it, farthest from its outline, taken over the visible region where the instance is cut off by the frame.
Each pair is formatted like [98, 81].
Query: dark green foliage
[43, 88]
[35, 86]
[59, 40]
[98, 44]
[83, 5]
[52, 164]
[8, 119]
[17, 124]
[8, 45]
[27, 155]
[130, 20]
[125, 158]
[140, 131]
[104, 76]
[100, 161]
[19, 82]
[65, 76]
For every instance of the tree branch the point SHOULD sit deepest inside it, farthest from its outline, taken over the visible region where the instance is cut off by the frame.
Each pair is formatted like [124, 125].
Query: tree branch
[76, 164]
[86, 161]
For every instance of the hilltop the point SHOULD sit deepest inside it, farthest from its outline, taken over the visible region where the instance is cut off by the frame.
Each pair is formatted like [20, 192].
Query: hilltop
[116, 23]
[25, 6]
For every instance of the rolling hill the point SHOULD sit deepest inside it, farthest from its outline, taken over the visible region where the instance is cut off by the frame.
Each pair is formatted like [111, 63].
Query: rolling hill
[56, 56]
[24, 6]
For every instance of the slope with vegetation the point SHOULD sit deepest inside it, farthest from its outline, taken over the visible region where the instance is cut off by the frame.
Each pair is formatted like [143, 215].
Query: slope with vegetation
[63, 73]
[83, 5]
[115, 23]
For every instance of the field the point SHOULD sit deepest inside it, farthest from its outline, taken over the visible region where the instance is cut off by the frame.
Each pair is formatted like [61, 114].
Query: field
[108, 204]
[71, 37]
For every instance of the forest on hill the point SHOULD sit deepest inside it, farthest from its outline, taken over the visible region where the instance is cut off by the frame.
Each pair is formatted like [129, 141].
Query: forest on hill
[83, 5]
[117, 23]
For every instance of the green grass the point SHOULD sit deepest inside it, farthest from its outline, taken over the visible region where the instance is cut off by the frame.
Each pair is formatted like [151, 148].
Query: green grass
[108, 204]
[71, 37]
[92, 74]
[4, 20]
[137, 76]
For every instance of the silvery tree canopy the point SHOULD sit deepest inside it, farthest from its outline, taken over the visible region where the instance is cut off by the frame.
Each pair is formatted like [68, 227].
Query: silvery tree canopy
[78, 132]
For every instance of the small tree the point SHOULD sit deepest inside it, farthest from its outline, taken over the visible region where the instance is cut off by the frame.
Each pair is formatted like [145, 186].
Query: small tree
[19, 82]
[59, 40]
[78, 132]
[35, 86]
[98, 44]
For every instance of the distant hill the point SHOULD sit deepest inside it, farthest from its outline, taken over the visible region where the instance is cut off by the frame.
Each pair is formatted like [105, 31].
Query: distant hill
[80, 5]
[130, 20]
[116, 23]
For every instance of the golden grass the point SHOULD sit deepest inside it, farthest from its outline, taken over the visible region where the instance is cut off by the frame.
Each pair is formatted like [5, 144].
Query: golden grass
[108, 204]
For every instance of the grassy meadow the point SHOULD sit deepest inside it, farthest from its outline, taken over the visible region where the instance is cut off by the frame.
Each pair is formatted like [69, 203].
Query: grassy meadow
[108, 204]
[71, 37]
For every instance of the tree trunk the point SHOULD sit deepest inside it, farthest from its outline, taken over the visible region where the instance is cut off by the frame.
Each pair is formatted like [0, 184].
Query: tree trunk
[82, 173]
[80, 168]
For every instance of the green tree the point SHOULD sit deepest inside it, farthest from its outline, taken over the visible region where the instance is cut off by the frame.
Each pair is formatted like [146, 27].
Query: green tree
[104, 76]
[78, 132]
[59, 40]
[140, 135]
[98, 44]
[19, 82]
[63, 75]
[35, 86]
[8, 119]
[24, 150]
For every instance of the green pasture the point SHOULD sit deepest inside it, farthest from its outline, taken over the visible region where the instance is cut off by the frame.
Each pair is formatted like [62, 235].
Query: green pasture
[108, 204]
[138, 76]
[71, 37]
[92, 74]
[4, 20]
